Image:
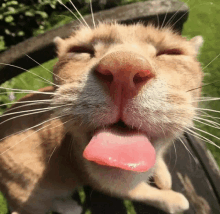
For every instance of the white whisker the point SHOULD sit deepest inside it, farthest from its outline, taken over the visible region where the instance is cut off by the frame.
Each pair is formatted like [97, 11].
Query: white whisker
[29, 101]
[25, 111]
[56, 146]
[175, 156]
[207, 115]
[26, 91]
[93, 20]
[178, 19]
[70, 11]
[190, 10]
[29, 134]
[206, 133]
[202, 138]
[52, 152]
[207, 99]
[15, 92]
[187, 149]
[211, 62]
[165, 17]
[79, 13]
[45, 68]
[37, 112]
[158, 20]
[174, 15]
[205, 109]
[211, 123]
[25, 105]
[30, 72]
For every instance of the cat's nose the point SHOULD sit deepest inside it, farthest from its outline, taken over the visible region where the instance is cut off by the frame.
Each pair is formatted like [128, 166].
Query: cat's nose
[124, 73]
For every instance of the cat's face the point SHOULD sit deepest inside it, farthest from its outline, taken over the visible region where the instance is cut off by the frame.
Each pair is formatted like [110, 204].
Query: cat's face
[135, 77]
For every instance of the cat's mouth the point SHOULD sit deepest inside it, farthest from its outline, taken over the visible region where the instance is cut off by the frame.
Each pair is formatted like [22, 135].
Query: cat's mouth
[121, 146]
[121, 127]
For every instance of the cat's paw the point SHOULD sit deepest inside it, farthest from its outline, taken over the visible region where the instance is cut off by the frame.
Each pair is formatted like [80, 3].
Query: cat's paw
[66, 206]
[174, 203]
[162, 176]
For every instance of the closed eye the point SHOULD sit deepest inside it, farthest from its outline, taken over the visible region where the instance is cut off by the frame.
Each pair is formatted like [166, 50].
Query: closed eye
[170, 52]
[82, 49]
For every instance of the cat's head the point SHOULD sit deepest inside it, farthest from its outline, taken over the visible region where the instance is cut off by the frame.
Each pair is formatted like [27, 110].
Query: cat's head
[129, 77]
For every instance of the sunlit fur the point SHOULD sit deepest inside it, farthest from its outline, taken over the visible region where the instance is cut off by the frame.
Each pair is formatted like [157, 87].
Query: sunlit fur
[42, 164]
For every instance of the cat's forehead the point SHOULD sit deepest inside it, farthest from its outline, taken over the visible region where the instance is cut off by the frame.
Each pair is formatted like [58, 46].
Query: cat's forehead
[113, 33]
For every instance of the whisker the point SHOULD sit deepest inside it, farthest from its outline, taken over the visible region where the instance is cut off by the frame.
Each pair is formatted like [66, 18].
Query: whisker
[44, 67]
[165, 17]
[5, 93]
[79, 13]
[24, 115]
[19, 132]
[32, 110]
[190, 10]
[178, 19]
[93, 20]
[158, 20]
[36, 111]
[206, 133]
[25, 105]
[202, 86]
[202, 138]
[29, 134]
[15, 66]
[56, 146]
[29, 101]
[52, 152]
[203, 70]
[174, 15]
[175, 156]
[187, 148]
[211, 62]
[71, 12]
[205, 99]
[207, 115]
[211, 123]
[205, 109]
[26, 91]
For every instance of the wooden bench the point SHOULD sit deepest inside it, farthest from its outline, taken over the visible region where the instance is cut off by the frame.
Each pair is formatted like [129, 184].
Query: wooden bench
[194, 171]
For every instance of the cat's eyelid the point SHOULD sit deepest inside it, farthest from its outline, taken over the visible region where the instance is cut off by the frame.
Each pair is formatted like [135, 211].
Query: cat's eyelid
[81, 49]
[172, 51]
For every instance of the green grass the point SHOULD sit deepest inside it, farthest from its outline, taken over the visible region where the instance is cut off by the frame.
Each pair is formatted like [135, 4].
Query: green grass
[28, 80]
[3, 207]
[203, 20]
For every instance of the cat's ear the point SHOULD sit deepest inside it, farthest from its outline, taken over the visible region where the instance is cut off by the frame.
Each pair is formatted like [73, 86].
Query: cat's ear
[197, 43]
[59, 43]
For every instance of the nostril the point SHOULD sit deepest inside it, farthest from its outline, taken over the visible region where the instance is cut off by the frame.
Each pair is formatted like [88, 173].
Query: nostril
[105, 76]
[141, 77]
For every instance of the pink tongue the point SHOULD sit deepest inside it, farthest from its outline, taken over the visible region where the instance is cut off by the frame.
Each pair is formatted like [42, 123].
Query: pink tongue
[129, 152]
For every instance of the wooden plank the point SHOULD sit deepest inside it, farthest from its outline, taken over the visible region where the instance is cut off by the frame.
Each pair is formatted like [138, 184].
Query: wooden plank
[41, 48]
[190, 178]
[208, 163]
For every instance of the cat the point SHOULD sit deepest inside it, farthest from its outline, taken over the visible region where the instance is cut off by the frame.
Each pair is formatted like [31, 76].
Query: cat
[113, 81]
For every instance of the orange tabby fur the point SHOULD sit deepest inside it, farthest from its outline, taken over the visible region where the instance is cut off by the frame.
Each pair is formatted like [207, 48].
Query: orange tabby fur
[41, 166]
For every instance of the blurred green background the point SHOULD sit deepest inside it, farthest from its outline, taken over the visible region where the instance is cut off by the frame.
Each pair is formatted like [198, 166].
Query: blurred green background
[203, 20]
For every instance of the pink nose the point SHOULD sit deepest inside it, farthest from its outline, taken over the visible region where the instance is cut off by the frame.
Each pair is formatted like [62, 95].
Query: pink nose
[124, 73]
